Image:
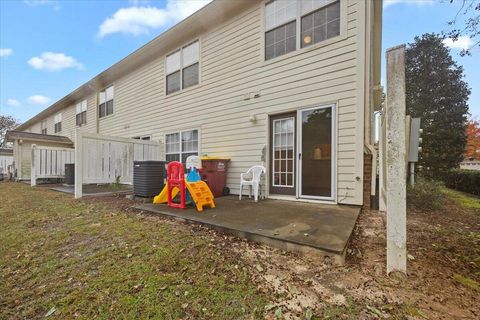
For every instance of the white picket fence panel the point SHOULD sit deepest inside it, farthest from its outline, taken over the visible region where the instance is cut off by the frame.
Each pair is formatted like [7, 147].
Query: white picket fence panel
[5, 162]
[49, 162]
[104, 159]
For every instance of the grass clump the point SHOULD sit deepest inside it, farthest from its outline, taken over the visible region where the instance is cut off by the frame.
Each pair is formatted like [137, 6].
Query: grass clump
[425, 195]
[464, 200]
[467, 282]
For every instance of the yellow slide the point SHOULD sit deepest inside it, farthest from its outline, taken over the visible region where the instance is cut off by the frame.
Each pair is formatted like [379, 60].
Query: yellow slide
[199, 191]
[201, 194]
[163, 195]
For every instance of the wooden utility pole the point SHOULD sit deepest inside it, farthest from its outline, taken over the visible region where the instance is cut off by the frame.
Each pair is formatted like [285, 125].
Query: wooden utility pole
[396, 159]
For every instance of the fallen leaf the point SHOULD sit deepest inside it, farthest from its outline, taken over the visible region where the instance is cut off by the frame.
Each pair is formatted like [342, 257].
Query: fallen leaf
[278, 313]
[50, 312]
[269, 307]
[375, 311]
[259, 268]
[309, 314]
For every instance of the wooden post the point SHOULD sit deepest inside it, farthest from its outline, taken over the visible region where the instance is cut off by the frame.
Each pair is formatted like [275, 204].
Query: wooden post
[78, 164]
[33, 178]
[396, 155]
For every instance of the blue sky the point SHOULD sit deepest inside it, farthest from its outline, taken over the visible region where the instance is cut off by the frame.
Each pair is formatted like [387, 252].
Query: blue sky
[48, 48]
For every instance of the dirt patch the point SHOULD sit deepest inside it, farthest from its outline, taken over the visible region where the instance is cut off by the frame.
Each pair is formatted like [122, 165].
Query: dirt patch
[441, 245]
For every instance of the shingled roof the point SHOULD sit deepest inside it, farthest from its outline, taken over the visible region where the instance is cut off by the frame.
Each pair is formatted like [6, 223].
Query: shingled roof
[17, 135]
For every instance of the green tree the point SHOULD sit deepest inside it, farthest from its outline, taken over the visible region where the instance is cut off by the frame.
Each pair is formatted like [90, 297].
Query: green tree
[6, 123]
[436, 92]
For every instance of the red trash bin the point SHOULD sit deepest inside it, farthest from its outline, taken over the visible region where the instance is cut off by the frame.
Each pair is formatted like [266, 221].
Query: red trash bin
[214, 173]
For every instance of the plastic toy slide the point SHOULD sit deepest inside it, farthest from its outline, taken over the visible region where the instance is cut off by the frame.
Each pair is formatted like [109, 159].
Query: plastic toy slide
[199, 191]
[201, 194]
[163, 195]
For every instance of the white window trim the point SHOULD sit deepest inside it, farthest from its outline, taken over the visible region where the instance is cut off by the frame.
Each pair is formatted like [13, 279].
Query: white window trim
[299, 50]
[57, 121]
[181, 151]
[199, 40]
[98, 102]
[81, 108]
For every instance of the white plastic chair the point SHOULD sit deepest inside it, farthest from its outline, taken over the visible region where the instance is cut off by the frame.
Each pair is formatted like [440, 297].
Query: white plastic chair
[254, 182]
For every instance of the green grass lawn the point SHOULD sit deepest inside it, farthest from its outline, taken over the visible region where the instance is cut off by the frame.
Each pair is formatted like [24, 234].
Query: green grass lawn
[464, 200]
[84, 260]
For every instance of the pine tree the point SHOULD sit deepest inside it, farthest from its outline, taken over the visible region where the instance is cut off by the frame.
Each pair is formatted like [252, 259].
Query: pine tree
[436, 92]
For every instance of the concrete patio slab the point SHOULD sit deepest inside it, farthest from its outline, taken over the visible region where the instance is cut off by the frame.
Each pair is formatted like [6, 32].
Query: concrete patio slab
[95, 190]
[309, 228]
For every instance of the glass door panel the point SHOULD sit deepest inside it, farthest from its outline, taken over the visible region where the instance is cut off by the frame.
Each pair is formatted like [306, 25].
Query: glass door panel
[283, 154]
[316, 155]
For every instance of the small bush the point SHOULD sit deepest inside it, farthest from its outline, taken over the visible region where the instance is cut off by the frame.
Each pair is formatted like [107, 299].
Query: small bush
[464, 180]
[426, 195]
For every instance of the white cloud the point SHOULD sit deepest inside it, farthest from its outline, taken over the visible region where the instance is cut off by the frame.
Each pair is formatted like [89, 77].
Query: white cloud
[36, 3]
[13, 102]
[388, 3]
[137, 20]
[5, 52]
[38, 99]
[462, 43]
[52, 61]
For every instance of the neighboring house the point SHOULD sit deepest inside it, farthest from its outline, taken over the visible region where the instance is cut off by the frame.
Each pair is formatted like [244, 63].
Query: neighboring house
[470, 164]
[22, 149]
[6, 160]
[289, 84]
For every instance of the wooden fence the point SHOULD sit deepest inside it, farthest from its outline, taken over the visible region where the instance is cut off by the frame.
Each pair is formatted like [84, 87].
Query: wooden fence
[5, 162]
[49, 162]
[107, 159]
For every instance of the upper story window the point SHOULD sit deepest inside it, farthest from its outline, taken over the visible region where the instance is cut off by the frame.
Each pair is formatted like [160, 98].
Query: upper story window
[81, 113]
[311, 20]
[43, 126]
[181, 68]
[180, 145]
[58, 122]
[105, 102]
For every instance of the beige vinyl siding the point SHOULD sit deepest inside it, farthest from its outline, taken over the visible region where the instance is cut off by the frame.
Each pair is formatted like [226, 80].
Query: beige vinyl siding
[231, 65]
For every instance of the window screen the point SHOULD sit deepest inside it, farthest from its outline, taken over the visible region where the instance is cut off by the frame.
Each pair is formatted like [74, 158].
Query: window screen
[182, 68]
[81, 113]
[321, 25]
[105, 102]
[318, 20]
[180, 145]
[280, 41]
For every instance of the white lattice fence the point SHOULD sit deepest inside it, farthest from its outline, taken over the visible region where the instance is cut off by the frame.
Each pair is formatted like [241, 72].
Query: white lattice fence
[49, 162]
[106, 159]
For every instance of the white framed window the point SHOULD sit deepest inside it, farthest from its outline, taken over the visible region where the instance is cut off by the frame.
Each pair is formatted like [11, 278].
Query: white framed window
[311, 20]
[182, 68]
[146, 138]
[180, 145]
[58, 122]
[105, 102]
[43, 126]
[81, 113]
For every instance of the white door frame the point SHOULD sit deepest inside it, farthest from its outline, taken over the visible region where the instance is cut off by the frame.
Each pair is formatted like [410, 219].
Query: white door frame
[334, 152]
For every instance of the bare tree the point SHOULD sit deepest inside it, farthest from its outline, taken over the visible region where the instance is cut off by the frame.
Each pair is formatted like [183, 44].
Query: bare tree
[466, 23]
[6, 123]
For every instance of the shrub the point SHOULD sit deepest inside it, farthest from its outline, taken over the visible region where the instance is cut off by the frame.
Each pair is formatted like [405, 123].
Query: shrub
[426, 195]
[464, 180]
